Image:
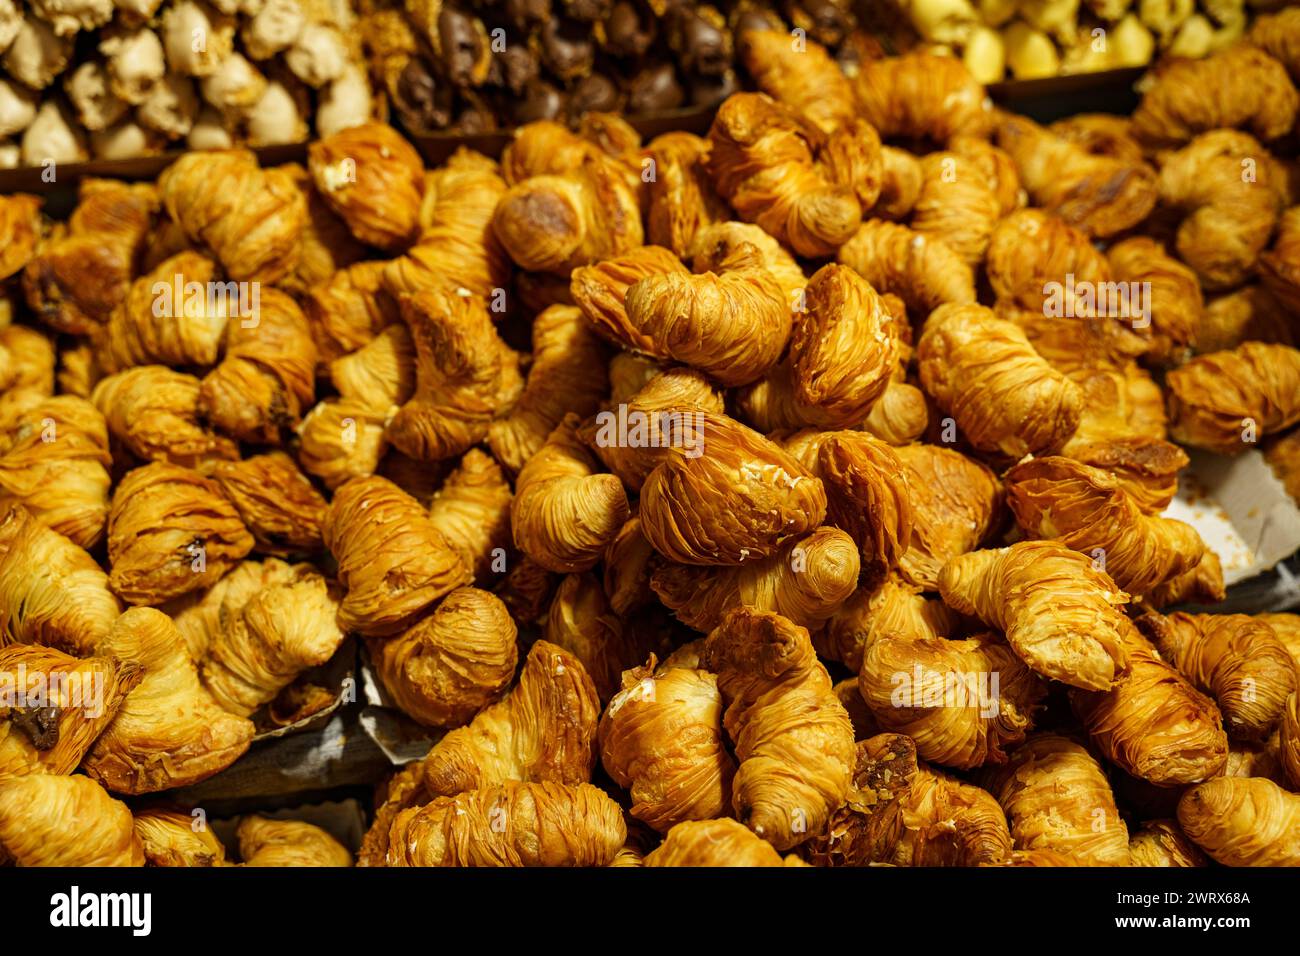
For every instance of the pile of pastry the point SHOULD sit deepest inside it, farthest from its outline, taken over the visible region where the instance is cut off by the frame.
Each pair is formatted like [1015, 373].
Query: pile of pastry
[113, 79]
[788, 495]
[481, 65]
[1033, 39]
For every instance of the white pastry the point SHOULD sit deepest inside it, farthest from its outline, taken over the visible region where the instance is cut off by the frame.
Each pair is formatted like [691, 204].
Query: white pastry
[17, 107]
[90, 90]
[36, 55]
[52, 137]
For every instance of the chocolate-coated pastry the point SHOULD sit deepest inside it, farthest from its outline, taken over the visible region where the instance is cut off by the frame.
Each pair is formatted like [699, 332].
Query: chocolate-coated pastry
[628, 31]
[474, 115]
[712, 90]
[653, 89]
[523, 14]
[826, 21]
[567, 48]
[541, 101]
[465, 55]
[589, 10]
[421, 101]
[699, 37]
[515, 67]
[593, 94]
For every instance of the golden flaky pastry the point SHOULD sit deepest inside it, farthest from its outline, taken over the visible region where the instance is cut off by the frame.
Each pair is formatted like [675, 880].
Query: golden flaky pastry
[279, 506]
[266, 641]
[655, 416]
[1289, 741]
[965, 703]
[1088, 510]
[456, 248]
[718, 242]
[629, 562]
[565, 511]
[170, 531]
[471, 510]
[1243, 821]
[465, 376]
[175, 838]
[680, 199]
[727, 495]
[1031, 256]
[1153, 723]
[1062, 615]
[843, 351]
[266, 379]
[250, 218]
[1102, 134]
[1100, 195]
[556, 222]
[374, 180]
[350, 308]
[1163, 843]
[1174, 305]
[76, 279]
[793, 738]
[200, 616]
[1003, 396]
[924, 272]
[154, 412]
[1226, 401]
[661, 738]
[49, 820]
[600, 290]
[169, 732]
[163, 320]
[956, 204]
[54, 455]
[997, 167]
[51, 591]
[567, 375]
[800, 75]
[511, 824]
[544, 730]
[1241, 87]
[956, 503]
[867, 492]
[1238, 660]
[20, 225]
[267, 842]
[403, 789]
[1201, 585]
[713, 843]
[779, 171]
[807, 580]
[948, 822]
[1279, 266]
[732, 324]
[29, 359]
[894, 608]
[392, 560]
[448, 665]
[55, 706]
[921, 96]
[381, 373]
[581, 622]
[868, 826]
[325, 244]
[341, 439]
[1229, 191]
[1056, 797]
